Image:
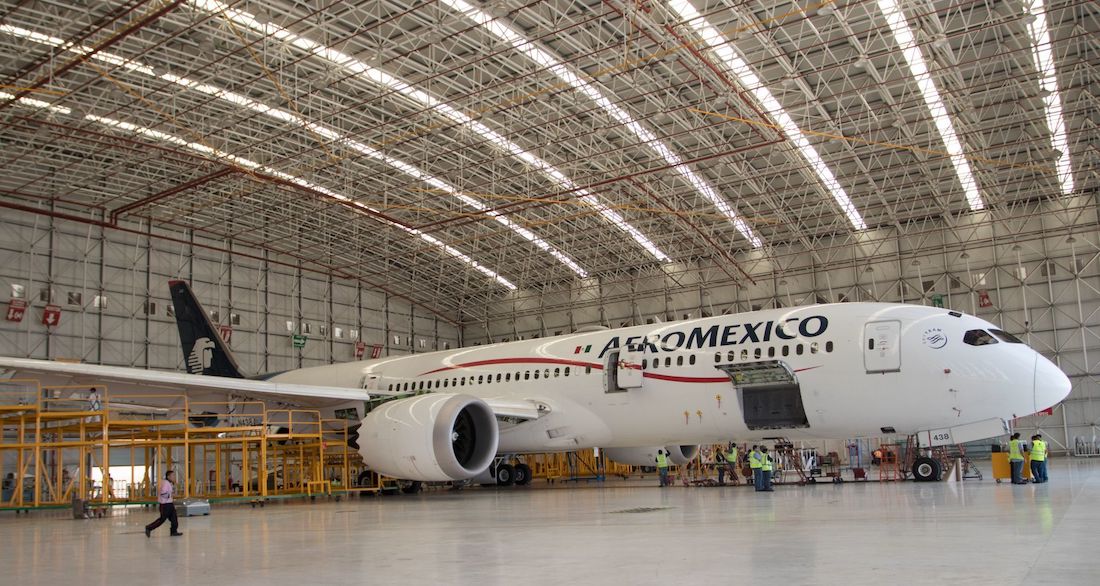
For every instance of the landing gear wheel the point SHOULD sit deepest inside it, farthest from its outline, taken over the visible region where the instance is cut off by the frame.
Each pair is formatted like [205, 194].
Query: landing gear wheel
[364, 478]
[926, 469]
[523, 474]
[411, 486]
[506, 475]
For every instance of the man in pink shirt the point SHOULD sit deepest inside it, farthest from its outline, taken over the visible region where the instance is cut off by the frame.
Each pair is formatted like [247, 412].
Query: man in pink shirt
[167, 509]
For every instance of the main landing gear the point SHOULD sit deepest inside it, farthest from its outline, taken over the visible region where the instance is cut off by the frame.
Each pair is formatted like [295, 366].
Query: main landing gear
[518, 474]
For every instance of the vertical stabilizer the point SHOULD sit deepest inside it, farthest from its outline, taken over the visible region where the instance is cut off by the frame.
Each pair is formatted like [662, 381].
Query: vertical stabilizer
[203, 347]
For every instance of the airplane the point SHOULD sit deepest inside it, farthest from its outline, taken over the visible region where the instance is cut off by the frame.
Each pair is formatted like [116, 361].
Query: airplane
[843, 370]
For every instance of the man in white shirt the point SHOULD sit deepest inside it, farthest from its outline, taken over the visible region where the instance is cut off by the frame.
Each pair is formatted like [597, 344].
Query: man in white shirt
[167, 509]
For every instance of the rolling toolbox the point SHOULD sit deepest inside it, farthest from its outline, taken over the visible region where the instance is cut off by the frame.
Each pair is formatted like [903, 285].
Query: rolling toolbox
[194, 507]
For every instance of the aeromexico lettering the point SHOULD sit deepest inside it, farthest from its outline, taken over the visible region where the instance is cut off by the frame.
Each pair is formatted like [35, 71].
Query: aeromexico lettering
[723, 335]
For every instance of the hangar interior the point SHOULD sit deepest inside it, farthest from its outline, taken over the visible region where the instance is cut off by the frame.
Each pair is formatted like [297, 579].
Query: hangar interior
[393, 178]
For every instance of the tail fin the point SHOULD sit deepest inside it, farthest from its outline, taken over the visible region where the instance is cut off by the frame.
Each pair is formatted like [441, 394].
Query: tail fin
[203, 348]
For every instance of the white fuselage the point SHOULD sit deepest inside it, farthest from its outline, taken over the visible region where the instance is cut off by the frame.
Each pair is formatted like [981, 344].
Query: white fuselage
[859, 369]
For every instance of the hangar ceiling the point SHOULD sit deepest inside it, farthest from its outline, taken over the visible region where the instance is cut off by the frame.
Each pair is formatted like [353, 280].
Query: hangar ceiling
[450, 152]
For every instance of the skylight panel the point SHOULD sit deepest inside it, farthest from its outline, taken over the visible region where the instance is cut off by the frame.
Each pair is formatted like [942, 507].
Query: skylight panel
[283, 116]
[748, 79]
[911, 51]
[1042, 50]
[426, 100]
[588, 88]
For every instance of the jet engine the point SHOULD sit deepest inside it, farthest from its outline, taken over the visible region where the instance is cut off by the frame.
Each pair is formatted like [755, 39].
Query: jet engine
[677, 455]
[433, 437]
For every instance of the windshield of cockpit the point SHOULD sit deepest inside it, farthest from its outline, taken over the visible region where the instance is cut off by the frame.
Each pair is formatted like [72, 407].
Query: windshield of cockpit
[992, 336]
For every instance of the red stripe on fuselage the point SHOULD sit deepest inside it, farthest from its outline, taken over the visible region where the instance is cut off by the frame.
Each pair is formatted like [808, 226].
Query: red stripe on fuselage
[686, 379]
[477, 363]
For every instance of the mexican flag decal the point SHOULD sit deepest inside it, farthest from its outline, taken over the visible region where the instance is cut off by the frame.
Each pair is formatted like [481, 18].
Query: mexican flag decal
[583, 349]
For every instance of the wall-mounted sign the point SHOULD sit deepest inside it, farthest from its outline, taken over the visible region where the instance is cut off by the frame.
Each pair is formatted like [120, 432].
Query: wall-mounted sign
[983, 299]
[360, 349]
[16, 309]
[51, 315]
[299, 341]
[226, 332]
[937, 300]
[375, 351]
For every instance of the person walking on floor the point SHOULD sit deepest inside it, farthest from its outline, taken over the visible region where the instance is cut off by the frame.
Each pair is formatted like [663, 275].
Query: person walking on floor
[756, 464]
[1016, 459]
[662, 467]
[1038, 459]
[167, 508]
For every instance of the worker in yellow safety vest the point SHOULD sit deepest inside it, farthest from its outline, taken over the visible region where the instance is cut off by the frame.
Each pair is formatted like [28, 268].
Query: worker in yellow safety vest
[756, 463]
[726, 461]
[1038, 459]
[766, 469]
[662, 467]
[1016, 459]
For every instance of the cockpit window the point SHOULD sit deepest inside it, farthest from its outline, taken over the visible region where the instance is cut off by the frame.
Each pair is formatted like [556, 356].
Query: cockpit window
[1006, 337]
[978, 338]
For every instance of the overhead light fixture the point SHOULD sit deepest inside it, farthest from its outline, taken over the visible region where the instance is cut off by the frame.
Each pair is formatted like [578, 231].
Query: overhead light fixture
[426, 100]
[748, 79]
[1041, 50]
[905, 39]
[583, 85]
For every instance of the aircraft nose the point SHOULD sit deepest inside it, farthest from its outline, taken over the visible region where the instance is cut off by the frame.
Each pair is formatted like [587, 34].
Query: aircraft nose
[1051, 384]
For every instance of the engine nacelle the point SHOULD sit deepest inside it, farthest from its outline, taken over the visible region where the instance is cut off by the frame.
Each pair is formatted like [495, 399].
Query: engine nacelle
[433, 437]
[677, 455]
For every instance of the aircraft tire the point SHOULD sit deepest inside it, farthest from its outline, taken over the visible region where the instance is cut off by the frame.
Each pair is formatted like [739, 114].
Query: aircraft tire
[506, 475]
[926, 469]
[411, 487]
[523, 474]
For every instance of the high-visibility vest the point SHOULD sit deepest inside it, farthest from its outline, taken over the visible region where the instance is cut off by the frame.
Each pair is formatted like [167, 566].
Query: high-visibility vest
[662, 461]
[766, 465]
[1014, 452]
[731, 456]
[754, 460]
[1038, 450]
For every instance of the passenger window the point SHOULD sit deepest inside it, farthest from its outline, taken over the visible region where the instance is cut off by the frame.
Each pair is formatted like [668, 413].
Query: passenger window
[644, 363]
[798, 349]
[813, 347]
[745, 354]
[679, 361]
[480, 379]
[771, 351]
[498, 377]
[828, 346]
[1005, 336]
[978, 338]
[786, 350]
[691, 359]
[567, 370]
[527, 375]
[718, 357]
[756, 352]
[444, 383]
[668, 361]
[588, 370]
[732, 355]
[462, 381]
[546, 373]
[507, 377]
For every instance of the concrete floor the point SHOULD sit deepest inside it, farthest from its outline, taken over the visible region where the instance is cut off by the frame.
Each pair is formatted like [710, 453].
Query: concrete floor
[624, 532]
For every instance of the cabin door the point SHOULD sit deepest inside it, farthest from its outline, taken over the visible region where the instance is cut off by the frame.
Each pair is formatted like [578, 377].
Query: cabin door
[882, 346]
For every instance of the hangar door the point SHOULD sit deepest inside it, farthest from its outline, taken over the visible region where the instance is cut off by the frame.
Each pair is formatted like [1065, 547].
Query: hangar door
[882, 346]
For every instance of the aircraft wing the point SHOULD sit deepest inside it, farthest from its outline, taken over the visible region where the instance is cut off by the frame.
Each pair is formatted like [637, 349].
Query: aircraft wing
[59, 373]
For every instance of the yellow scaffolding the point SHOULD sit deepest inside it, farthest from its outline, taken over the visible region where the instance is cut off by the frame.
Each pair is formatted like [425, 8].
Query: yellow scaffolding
[51, 440]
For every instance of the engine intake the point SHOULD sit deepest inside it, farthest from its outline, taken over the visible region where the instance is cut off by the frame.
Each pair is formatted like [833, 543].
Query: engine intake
[434, 437]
